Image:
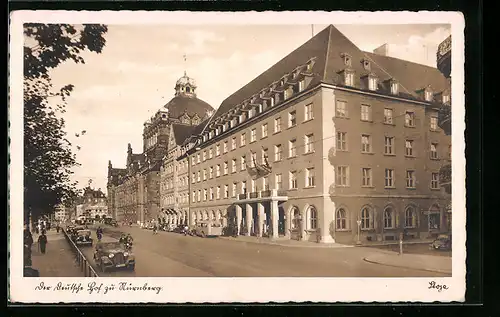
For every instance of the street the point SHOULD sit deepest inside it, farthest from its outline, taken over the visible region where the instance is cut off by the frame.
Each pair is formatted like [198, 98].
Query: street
[176, 255]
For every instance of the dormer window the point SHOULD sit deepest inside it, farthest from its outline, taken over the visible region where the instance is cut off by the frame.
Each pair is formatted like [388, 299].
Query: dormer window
[188, 89]
[276, 99]
[347, 59]
[271, 101]
[302, 85]
[445, 99]
[288, 93]
[394, 87]
[349, 78]
[428, 95]
[211, 134]
[372, 83]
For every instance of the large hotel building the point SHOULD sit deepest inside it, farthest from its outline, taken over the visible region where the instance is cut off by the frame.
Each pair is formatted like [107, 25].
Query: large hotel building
[330, 144]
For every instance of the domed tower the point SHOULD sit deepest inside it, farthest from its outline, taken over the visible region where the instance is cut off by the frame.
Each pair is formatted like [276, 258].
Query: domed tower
[183, 108]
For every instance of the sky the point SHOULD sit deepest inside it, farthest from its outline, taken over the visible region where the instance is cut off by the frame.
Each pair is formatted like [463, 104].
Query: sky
[116, 91]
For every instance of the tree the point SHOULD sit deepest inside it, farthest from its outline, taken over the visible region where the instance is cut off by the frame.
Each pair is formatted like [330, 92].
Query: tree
[48, 156]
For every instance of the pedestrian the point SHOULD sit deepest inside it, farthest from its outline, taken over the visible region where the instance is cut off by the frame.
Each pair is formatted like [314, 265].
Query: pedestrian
[28, 241]
[42, 242]
[57, 228]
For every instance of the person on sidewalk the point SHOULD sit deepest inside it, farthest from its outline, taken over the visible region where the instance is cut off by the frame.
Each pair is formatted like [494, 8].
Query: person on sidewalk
[28, 242]
[42, 242]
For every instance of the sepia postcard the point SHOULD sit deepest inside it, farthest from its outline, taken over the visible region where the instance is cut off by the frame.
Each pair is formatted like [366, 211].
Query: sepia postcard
[208, 157]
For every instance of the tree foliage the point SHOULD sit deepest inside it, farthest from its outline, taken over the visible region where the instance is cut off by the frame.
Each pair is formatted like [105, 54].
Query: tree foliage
[48, 156]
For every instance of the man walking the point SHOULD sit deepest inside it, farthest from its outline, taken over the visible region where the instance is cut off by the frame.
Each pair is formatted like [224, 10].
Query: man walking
[42, 242]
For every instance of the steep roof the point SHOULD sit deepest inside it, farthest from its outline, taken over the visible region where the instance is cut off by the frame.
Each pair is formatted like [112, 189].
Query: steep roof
[182, 132]
[327, 47]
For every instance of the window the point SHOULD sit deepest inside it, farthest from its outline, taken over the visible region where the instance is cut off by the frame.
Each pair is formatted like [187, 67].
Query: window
[210, 153]
[243, 163]
[367, 177]
[199, 176]
[389, 145]
[308, 112]
[446, 99]
[389, 178]
[233, 166]
[388, 116]
[342, 176]
[409, 148]
[293, 180]
[410, 179]
[211, 193]
[435, 181]
[217, 150]
[193, 178]
[217, 170]
[276, 99]
[410, 217]
[366, 113]
[218, 192]
[287, 93]
[278, 181]
[253, 159]
[234, 190]
[313, 218]
[349, 78]
[265, 183]
[409, 119]
[341, 109]
[226, 168]
[277, 124]
[264, 155]
[341, 219]
[292, 150]
[341, 141]
[252, 185]
[296, 218]
[243, 139]
[204, 156]
[365, 143]
[428, 96]
[226, 191]
[264, 130]
[394, 88]
[434, 123]
[292, 118]
[233, 143]
[243, 187]
[433, 151]
[310, 177]
[194, 197]
[198, 160]
[302, 85]
[204, 195]
[277, 152]
[309, 143]
[204, 174]
[253, 135]
[225, 147]
[372, 83]
[366, 218]
[389, 218]
[211, 172]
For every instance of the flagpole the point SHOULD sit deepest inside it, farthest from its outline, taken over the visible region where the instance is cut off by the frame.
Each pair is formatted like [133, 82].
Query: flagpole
[312, 30]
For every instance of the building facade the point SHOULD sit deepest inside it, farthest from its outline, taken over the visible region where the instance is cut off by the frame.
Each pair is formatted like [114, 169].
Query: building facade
[61, 213]
[134, 191]
[329, 144]
[94, 204]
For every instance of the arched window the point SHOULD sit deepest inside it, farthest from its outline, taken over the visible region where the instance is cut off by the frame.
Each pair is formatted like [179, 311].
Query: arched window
[341, 219]
[212, 215]
[366, 218]
[410, 217]
[389, 218]
[295, 218]
[313, 218]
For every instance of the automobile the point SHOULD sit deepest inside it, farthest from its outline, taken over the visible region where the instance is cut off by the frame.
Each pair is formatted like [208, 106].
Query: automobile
[112, 255]
[180, 229]
[208, 228]
[113, 223]
[74, 230]
[83, 237]
[442, 242]
[69, 229]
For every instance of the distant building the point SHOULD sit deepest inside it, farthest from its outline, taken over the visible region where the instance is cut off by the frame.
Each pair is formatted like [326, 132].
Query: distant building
[61, 213]
[94, 205]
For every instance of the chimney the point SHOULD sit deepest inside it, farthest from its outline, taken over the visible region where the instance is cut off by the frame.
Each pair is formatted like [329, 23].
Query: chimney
[382, 50]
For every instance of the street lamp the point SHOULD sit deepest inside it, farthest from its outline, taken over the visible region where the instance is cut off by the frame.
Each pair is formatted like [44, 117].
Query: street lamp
[359, 229]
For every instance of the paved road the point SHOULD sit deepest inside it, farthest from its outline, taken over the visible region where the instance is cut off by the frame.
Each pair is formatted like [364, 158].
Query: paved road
[171, 254]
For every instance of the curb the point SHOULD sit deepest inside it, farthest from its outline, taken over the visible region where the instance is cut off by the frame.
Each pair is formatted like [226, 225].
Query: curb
[407, 267]
[326, 246]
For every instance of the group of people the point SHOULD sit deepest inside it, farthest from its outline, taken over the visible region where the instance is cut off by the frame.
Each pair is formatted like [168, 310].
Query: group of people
[126, 239]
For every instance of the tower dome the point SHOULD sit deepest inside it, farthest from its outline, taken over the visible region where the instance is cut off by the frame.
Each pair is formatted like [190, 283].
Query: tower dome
[185, 86]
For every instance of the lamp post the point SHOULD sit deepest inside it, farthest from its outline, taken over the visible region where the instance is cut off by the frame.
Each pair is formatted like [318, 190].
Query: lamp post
[359, 230]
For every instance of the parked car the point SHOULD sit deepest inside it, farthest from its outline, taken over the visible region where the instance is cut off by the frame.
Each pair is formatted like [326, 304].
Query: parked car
[83, 237]
[442, 242]
[113, 223]
[111, 255]
[181, 229]
[208, 228]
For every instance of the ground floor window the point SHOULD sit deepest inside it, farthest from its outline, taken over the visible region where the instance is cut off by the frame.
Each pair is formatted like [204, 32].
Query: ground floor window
[389, 218]
[366, 218]
[410, 217]
[341, 219]
[295, 218]
[434, 218]
[313, 218]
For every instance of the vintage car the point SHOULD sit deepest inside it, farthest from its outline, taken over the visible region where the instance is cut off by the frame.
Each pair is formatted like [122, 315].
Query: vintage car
[208, 228]
[82, 237]
[442, 242]
[69, 229]
[110, 255]
[113, 223]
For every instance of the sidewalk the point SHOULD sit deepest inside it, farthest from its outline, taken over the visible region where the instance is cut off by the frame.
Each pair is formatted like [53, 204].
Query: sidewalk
[285, 242]
[431, 263]
[58, 260]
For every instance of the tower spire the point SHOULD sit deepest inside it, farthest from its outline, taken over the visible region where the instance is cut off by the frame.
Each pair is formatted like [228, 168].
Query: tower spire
[185, 62]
